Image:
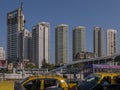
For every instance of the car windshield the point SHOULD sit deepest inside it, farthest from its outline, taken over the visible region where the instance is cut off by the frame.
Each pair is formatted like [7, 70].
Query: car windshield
[92, 77]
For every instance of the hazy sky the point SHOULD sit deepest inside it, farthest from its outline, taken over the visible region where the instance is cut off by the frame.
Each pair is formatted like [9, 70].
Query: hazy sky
[88, 13]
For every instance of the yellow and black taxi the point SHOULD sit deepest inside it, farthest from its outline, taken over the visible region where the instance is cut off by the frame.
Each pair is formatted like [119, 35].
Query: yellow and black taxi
[45, 82]
[100, 81]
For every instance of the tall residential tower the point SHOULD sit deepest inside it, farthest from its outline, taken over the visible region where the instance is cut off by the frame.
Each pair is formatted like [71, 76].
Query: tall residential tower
[41, 43]
[98, 42]
[111, 42]
[78, 41]
[61, 44]
[25, 45]
[15, 24]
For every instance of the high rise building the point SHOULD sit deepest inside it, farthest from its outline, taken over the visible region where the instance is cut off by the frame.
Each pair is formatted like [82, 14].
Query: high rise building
[25, 45]
[2, 53]
[28, 45]
[111, 42]
[41, 43]
[2, 58]
[15, 24]
[61, 44]
[98, 42]
[78, 41]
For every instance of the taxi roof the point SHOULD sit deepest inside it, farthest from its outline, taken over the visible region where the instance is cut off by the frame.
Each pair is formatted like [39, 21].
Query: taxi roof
[58, 77]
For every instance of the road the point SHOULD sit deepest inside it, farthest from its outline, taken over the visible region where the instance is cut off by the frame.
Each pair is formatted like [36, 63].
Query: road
[4, 85]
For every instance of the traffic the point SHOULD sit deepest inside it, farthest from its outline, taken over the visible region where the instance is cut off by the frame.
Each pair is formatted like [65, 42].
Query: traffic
[100, 81]
[102, 78]
[41, 82]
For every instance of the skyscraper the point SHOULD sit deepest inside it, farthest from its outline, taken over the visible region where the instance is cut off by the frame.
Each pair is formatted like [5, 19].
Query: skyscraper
[111, 42]
[41, 43]
[25, 45]
[78, 41]
[61, 44]
[15, 24]
[98, 41]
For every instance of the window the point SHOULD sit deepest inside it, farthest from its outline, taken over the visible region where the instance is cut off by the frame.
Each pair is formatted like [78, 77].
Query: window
[33, 85]
[51, 83]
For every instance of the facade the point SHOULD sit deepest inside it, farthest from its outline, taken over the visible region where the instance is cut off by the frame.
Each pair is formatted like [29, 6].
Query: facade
[84, 55]
[2, 53]
[41, 43]
[15, 24]
[78, 40]
[61, 44]
[98, 42]
[25, 45]
[111, 42]
[2, 58]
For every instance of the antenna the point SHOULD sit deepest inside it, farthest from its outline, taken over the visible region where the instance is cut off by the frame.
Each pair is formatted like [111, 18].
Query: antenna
[21, 6]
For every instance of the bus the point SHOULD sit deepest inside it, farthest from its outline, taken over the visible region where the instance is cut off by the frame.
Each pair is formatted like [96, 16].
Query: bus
[98, 68]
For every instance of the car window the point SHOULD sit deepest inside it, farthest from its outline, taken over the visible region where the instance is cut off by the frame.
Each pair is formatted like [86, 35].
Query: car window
[106, 80]
[117, 79]
[51, 83]
[33, 85]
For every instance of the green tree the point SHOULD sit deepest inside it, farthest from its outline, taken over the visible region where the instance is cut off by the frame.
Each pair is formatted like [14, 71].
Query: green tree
[30, 66]
[47, 65]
